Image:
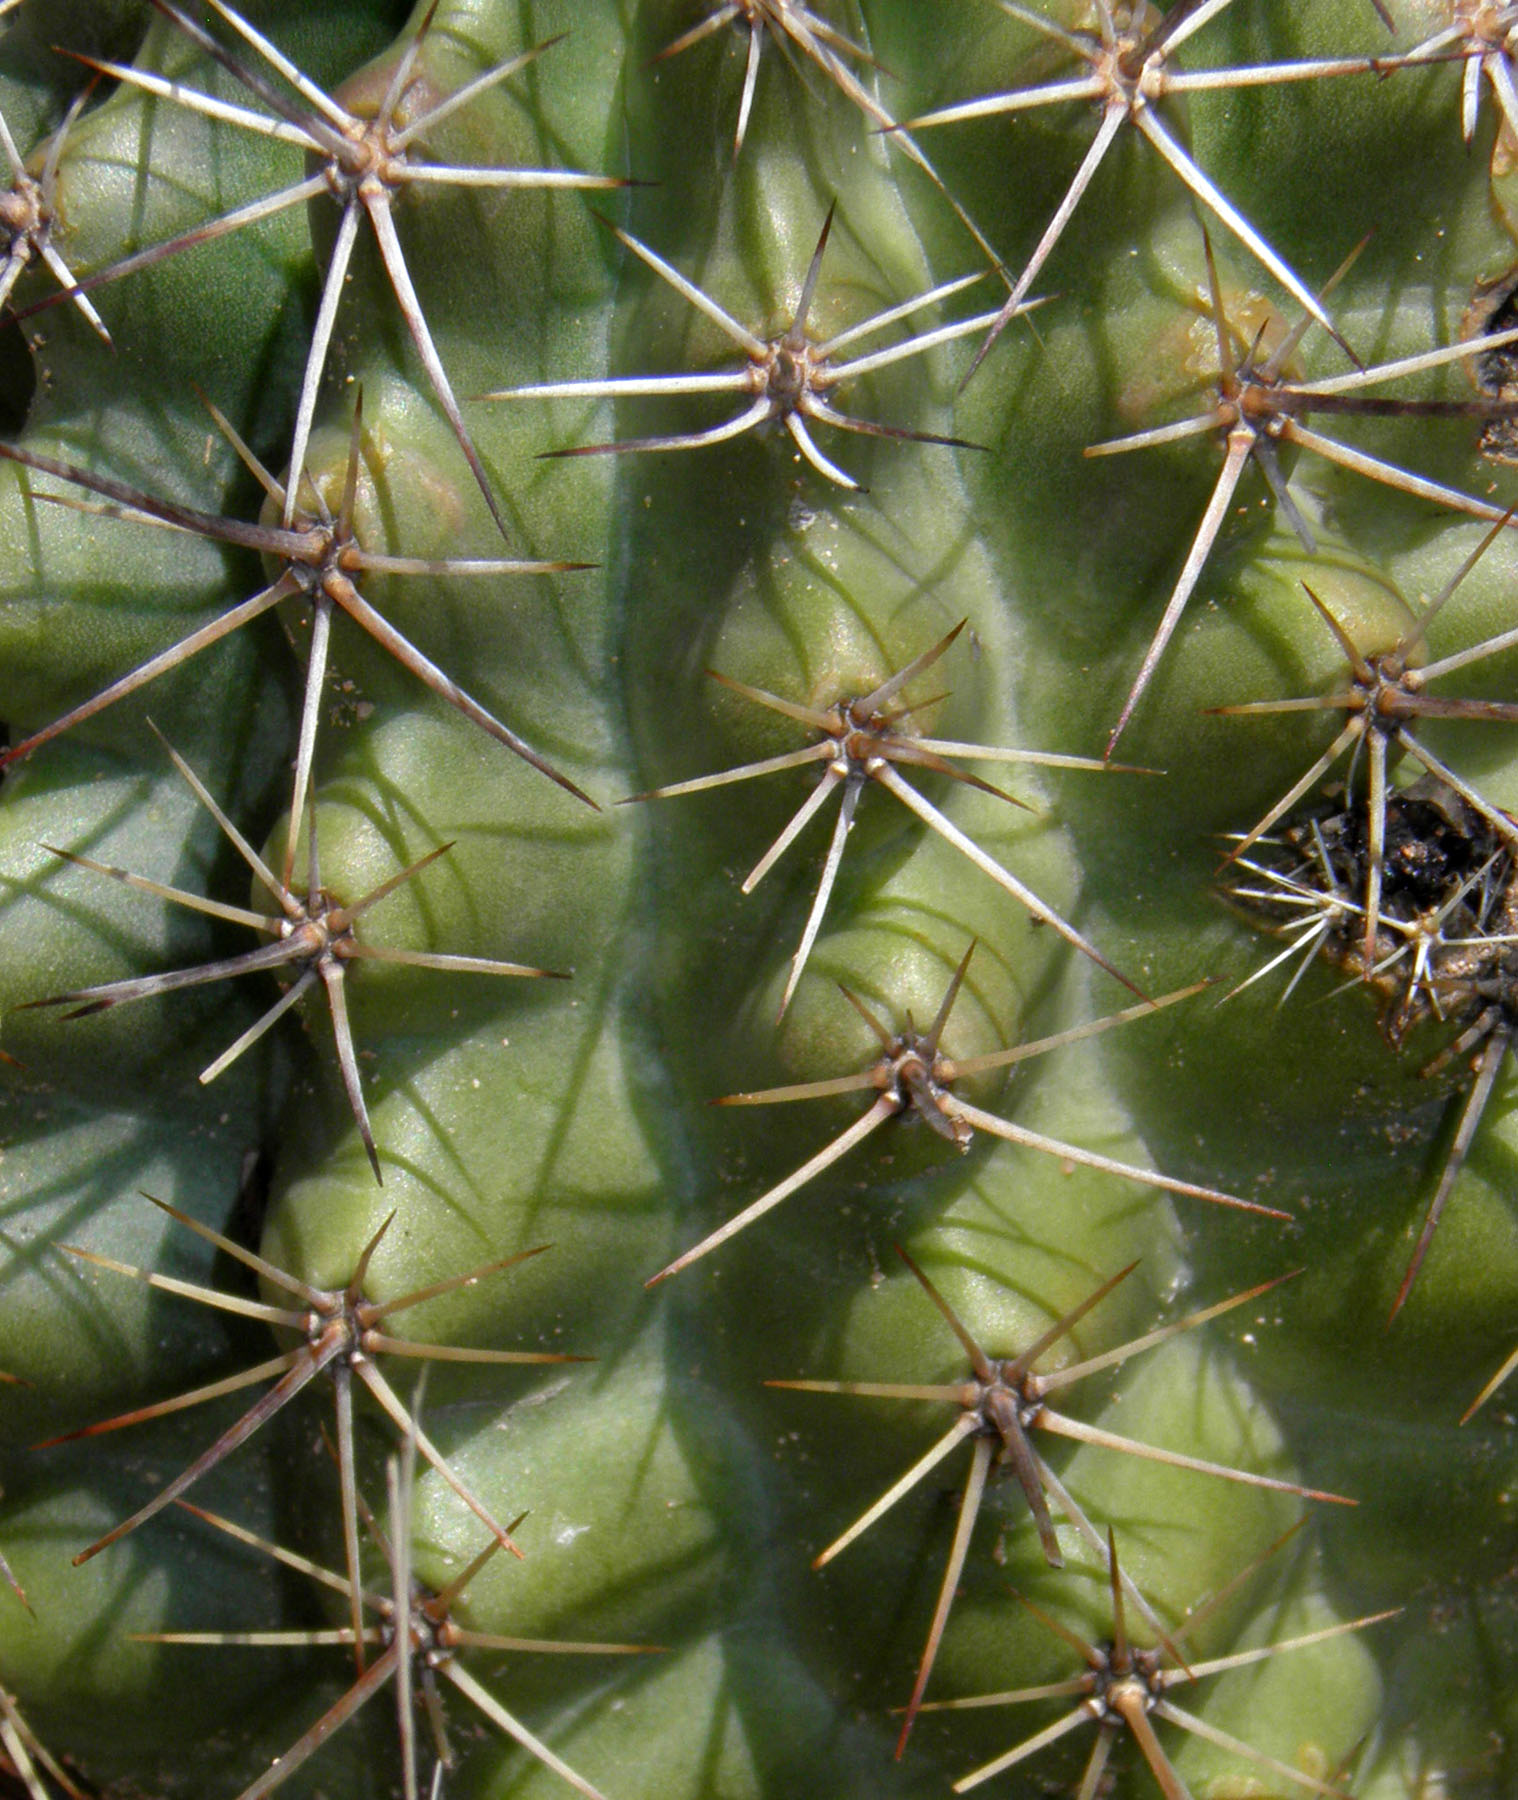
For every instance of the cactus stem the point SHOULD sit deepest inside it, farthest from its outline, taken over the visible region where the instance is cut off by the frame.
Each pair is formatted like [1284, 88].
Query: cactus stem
[790, 23]
[1480, 39]
[338, 1328]
[1493, 1027]
[419, 1640]
[1426, 939]
[27, 212]
[313, 937]
[783, 20]
[1258, 409]
[367, 165]
[1450, 915]
[346, 170]
[913, 1080]
[1000, 1405]
[1124, 1686]
[1129, 77]
[1452, 887]
[25, 1750]
[1383, 692]
[1317, 909]
[321, 556]
[1490, 1388]
[789, 377]
[8, 1576]
[1316, 892]
[863, 738]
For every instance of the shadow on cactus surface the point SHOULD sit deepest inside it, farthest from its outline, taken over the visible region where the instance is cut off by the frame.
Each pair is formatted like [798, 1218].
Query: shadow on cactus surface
[275, 585]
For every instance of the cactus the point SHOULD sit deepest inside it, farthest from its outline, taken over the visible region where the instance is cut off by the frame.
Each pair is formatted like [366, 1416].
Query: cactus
[500, 578]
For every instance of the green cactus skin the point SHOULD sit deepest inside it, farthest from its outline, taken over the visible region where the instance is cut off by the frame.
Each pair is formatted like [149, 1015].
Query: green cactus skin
[670, 1497]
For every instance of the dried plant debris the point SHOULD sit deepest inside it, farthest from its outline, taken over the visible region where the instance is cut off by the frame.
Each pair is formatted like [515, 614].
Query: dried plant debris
[1001, 1402]
[417, 1639]
[1261, 408]
[913, 1080]
[1126, 1687]
[1128, 73]
[787, 379]
[313, 937]
[321, 566]
[341, 1333]
[1443, 874]
[28, 209]
[1386, 691]
[1445, 943]
[1442, 895]
[864, 738]
[1292, 887]
[363, 164]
